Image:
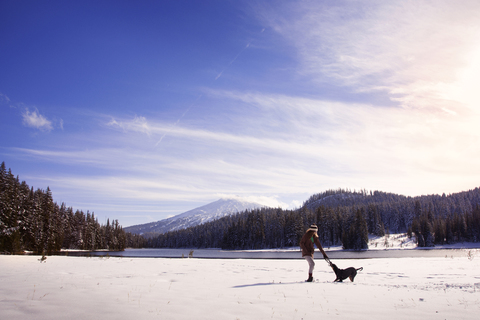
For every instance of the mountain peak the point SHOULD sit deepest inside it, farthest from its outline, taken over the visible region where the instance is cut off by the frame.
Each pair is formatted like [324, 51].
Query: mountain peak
[209, 212]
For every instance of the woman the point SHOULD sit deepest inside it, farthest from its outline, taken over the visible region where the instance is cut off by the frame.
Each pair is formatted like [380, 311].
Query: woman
[309, 238]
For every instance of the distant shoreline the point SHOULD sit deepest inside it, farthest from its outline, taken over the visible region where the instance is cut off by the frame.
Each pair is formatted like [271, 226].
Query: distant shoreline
[278, 253]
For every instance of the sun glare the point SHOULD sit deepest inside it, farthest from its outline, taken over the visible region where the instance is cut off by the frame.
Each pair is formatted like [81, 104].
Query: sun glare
[465, 89]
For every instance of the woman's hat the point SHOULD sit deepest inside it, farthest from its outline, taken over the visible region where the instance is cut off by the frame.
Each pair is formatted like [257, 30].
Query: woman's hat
[313, 227]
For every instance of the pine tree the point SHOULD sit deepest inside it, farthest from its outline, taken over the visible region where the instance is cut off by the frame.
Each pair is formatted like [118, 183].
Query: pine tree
[361, 231]
[439, 231]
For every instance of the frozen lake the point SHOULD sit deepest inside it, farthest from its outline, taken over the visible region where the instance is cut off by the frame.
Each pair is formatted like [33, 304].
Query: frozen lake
[281, 253]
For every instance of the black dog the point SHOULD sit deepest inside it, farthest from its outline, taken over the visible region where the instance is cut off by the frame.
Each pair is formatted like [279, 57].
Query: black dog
[343, 274]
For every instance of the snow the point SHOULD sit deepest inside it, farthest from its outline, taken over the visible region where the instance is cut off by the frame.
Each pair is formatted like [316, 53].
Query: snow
[400, 241]
[160, 288]
[212, 211]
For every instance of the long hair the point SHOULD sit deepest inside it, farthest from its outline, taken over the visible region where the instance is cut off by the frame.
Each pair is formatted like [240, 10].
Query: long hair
[310, 233]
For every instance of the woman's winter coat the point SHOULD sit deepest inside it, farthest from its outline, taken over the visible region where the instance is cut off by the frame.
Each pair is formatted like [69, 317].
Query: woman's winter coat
[307, 243]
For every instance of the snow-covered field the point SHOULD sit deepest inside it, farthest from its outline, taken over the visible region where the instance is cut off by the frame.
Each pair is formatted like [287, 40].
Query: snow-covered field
[145, 288]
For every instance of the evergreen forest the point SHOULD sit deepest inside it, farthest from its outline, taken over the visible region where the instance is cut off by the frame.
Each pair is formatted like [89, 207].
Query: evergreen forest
[31, 221]
[344, 218]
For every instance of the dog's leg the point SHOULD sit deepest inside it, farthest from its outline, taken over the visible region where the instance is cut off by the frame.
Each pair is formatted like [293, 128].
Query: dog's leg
[352, 276]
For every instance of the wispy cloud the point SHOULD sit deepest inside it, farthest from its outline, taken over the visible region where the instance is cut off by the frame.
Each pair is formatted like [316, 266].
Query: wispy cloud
[272, 202]
[411, 51]
[231, 62]
[289, 146]
[35, 120]
[138, 124]
[4, 98]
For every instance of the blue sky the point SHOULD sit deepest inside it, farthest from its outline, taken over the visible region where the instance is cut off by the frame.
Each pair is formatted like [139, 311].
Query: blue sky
[142, 110]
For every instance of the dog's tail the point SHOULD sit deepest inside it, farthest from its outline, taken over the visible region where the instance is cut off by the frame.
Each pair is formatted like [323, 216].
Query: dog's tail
[360, 269]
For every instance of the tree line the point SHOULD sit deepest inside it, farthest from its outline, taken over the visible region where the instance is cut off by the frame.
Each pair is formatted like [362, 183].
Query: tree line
[271, 228]
[31, 221]
[343, 217]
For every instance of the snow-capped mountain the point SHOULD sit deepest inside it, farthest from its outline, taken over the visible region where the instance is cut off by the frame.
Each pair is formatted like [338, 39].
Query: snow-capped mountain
[200, 215]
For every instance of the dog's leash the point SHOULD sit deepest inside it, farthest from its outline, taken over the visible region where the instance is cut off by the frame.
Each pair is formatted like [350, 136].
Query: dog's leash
[328, 261]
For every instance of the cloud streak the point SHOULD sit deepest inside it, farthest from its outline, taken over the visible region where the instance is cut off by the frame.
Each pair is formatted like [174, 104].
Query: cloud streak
[321, 144]
[231, 62]
[4, 99]
[409, 52]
